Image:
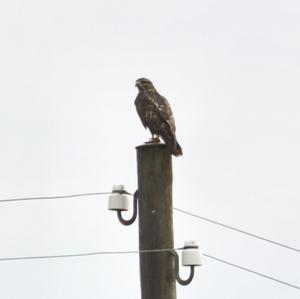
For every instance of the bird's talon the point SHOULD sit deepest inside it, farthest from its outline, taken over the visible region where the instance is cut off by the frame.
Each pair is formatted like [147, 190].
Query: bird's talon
[156, 140]
[153, 140]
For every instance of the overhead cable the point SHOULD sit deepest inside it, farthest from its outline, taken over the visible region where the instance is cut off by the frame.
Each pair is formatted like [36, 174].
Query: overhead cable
[236, 229]
[147, 251]
[176, 209]
[54, 197]
[85, 254]
[252, 271]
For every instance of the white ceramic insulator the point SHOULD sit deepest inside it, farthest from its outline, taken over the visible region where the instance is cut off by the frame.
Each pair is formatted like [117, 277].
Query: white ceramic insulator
[191, 255]
[118, 202]
[118, 188]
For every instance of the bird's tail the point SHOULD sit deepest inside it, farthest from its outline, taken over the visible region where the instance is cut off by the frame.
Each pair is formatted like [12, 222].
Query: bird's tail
[172, 144]
[177, 151]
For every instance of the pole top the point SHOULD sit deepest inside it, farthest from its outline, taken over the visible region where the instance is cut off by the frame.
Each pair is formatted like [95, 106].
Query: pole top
[151, 145]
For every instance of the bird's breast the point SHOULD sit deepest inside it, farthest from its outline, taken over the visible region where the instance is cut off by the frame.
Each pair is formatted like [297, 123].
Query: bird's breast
[148, 111]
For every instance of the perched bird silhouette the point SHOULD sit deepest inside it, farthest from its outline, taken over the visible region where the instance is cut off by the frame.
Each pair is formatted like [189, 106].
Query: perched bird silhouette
[156, 114]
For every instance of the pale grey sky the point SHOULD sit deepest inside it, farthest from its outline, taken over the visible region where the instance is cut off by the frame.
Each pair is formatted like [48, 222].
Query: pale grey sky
[230, 70]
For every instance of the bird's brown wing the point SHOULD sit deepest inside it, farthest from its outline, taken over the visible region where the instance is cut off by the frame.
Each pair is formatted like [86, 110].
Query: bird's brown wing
[165, 112]
[151, 107]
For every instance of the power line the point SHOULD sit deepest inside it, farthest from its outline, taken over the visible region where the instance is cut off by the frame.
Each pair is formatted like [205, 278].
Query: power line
[236, 229]
[86, 254]
[176, 209]
[147, 251]
[252, 271]
[54, 197]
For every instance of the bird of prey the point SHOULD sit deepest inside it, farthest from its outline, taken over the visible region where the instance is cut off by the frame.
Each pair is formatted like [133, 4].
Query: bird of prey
[156, 114]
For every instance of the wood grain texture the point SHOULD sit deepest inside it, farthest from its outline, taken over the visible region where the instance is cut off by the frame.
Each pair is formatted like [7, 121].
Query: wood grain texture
[156, 221]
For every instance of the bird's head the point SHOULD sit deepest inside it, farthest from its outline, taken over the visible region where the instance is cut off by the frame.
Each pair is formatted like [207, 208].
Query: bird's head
[144, 84]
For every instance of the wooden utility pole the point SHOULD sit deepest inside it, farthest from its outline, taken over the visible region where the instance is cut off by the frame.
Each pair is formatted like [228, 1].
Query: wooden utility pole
[154, 163]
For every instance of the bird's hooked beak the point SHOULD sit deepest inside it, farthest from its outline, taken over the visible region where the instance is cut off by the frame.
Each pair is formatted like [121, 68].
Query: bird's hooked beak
[137, 83]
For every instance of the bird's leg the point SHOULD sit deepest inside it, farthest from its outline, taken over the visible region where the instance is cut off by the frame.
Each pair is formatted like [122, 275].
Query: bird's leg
[154, 139]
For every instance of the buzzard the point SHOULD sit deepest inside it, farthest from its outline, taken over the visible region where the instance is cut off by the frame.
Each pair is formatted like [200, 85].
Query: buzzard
[156, 114]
